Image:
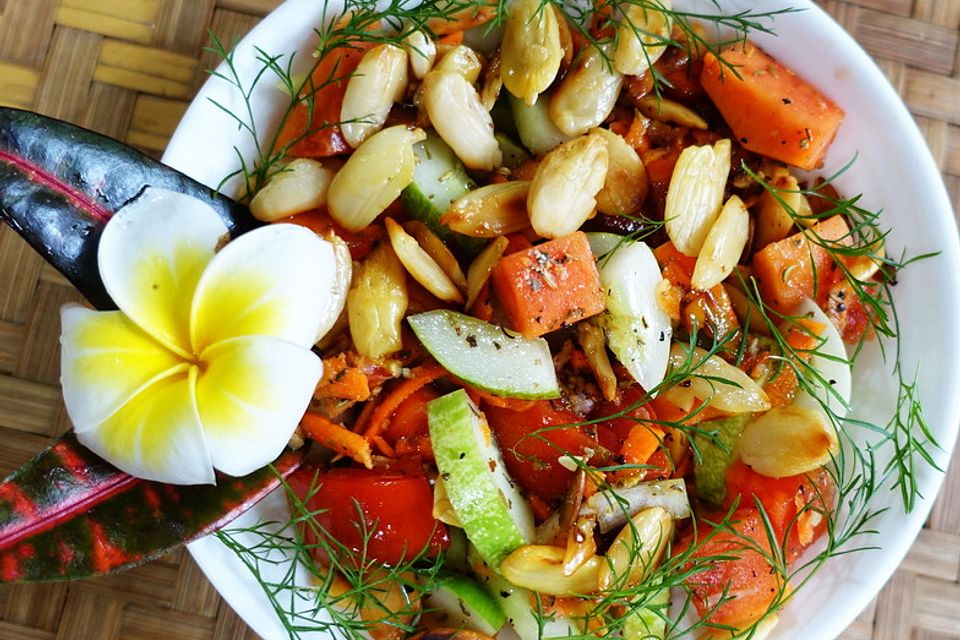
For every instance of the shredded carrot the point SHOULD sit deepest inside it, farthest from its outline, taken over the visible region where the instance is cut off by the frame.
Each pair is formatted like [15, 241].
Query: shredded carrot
[342, 381]
[383, 446]
[421, 377]
[452, 39]
[641, 443]
[514, 404]
[460, 21]
[337, 438]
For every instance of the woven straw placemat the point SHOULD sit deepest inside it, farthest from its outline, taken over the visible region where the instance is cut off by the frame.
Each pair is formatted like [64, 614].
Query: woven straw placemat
[128, 68]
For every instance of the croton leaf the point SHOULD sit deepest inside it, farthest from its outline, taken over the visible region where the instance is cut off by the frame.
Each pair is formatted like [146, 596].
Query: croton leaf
[59, 184]
[67, 513]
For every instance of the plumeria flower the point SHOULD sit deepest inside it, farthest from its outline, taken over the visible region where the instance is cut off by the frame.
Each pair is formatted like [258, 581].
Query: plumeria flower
[207, 364]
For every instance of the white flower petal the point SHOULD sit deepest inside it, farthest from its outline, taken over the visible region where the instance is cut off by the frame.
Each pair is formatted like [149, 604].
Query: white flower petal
[274, 281]
[105, 361]
[151, 255]
[157, 434]
[251, 395]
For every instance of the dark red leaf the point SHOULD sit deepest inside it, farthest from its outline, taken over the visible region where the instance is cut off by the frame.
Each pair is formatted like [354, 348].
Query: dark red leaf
[68, 514]
[59, 184]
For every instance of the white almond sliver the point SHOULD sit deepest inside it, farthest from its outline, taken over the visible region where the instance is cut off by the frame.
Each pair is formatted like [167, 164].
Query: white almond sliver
[723, 246]
[420, 265]
[695, 195]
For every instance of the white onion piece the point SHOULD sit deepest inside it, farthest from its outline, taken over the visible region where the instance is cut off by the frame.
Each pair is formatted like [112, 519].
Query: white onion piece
[832, 367]
[613, 506]
[638, 330]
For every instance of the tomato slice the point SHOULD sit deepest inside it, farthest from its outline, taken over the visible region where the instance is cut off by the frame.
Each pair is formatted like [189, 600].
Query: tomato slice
[395, 502]
[739, 590]
[531, 448]
[613, 433]
[782, 500]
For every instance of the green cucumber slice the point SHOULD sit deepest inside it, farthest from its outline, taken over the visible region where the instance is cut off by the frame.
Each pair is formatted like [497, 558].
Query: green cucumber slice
[487, 356]
[494, 515]
[513, 154]
[648, 622]
[717, 453]
[519, 605]
[465, 603]
[534, 126]
[439, 178]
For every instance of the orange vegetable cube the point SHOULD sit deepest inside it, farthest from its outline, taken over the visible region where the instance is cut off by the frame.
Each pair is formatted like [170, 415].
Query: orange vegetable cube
[549, 285]
[770, 109]
[799, 266]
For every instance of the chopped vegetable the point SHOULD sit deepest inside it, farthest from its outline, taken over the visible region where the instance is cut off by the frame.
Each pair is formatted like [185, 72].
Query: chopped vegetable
[494, 515]
[486, 356]
[771, 110]
[383, 514]
[549, 286]
[799, 266]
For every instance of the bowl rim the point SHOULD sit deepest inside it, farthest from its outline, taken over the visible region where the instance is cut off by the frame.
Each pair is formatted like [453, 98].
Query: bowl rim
[181, 154]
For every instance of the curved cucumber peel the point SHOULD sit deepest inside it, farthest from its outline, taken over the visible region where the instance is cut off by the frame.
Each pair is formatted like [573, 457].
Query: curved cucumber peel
[519, 605]
[487, 356]
[717, 453]
[439, 178]
[494, 515]
[467, 604]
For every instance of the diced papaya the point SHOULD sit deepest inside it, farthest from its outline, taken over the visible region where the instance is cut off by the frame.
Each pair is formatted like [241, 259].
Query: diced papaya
[549, 285]
[770, 109]
[799, 266]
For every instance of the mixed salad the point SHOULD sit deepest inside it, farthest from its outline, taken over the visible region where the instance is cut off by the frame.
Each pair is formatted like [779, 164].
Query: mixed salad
[585, 327]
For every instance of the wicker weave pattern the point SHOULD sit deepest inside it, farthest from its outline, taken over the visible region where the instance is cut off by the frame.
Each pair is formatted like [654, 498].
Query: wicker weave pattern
[128, 68]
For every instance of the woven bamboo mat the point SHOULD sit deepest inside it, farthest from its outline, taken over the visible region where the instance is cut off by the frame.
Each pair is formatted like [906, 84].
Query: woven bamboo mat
[128, 68]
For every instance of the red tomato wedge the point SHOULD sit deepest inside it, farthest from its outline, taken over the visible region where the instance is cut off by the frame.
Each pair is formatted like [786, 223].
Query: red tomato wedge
[396, 504]
[311, 125]
[531, 448]
[782, 499]
[739, 590]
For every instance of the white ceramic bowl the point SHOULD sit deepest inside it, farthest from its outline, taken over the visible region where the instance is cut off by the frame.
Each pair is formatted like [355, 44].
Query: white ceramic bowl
[893, 170]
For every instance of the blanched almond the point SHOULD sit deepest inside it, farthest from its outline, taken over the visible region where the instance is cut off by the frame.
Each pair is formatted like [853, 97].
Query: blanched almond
[478, 273]
[666, 110]
[377, 303]
[422, 52]
[531, 50]
[420, 265]
[695, 195]
[714, 381]
[563, 190]
[626, 185]
[301, 185]
[458, 116]
[587, 94]
[541, 569]
[490, 211]
[637, 550]
[373, 177]
[640, 34]
[723, 245]
[775, 217]
[378, 81]
[437, 250]
[492, 82]
[463, 60]
[788, 440]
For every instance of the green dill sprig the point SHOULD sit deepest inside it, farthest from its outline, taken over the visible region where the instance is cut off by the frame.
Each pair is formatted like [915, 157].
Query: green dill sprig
[855, 472]
[349, 593]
